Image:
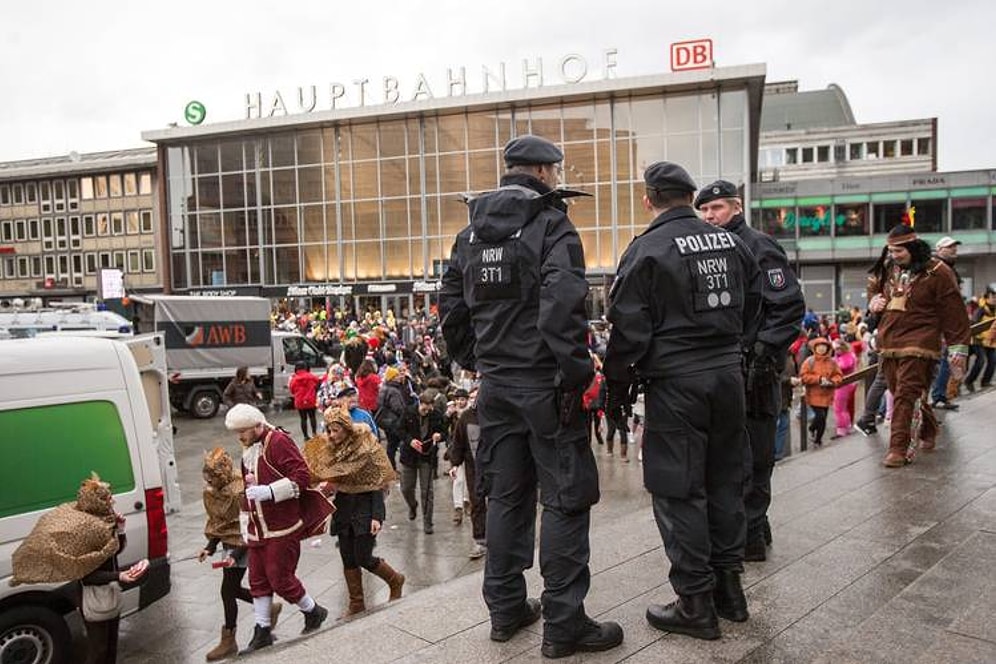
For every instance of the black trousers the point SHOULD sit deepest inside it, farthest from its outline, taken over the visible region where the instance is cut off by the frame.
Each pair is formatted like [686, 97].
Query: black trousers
[308, 415]
[357, 550]
[819, 424]
[693, 464]
[232, 590]
[102, 641]
[761, 435]
[524, 447]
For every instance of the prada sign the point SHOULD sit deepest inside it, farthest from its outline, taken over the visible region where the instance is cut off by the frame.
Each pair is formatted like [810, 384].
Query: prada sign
[391, 90]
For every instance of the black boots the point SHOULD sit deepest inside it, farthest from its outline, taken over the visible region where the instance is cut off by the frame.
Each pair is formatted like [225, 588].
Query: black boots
[531, 612]
[593, 637]
[313, 619]
[693, 615]
[261, 638]
[755, 550]
[728, 596]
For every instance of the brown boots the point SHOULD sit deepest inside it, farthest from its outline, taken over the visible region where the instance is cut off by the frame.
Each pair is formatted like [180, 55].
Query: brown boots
[395, 580]
[226, 648]
[354, 584]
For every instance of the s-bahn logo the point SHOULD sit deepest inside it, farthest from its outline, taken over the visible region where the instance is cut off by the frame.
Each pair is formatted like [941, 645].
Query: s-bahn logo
[216, 335]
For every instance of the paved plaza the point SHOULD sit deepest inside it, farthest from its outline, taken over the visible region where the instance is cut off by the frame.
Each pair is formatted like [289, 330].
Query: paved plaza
[868, 565]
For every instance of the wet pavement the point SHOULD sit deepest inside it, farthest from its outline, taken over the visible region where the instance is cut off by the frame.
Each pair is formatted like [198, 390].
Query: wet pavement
[868, 565]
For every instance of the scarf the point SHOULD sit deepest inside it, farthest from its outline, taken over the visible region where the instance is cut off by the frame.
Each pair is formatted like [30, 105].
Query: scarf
[358, 465]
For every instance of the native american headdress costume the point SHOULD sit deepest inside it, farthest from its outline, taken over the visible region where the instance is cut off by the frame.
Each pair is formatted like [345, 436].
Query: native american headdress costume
[357, 465]
[222, 492]
[71, 540]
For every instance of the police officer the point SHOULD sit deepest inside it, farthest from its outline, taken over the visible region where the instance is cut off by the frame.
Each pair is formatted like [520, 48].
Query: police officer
[782, 309]
[512, 305]
[685, 294]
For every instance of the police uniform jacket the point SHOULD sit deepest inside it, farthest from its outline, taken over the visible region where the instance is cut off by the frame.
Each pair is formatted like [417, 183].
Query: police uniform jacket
[512, 299]
[685, 295]
[783, 305]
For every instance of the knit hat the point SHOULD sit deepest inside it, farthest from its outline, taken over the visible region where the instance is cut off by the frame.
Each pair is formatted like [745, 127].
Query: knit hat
[813, 343]
[900, 235]
[243, 416]
[391, 373]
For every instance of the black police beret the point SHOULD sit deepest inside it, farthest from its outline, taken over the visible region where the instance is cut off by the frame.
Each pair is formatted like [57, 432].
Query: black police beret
[529, 150]
[668, 176]
[718, 189]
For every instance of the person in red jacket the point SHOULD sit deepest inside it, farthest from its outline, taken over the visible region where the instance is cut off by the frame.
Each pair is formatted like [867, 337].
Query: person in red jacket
[368, 385]
[303, 387]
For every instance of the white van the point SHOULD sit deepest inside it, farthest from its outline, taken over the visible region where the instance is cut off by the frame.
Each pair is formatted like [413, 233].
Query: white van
[69, 406]
[31, 323]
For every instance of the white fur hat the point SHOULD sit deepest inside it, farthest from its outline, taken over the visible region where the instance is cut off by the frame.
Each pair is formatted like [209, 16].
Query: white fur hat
[243, 416]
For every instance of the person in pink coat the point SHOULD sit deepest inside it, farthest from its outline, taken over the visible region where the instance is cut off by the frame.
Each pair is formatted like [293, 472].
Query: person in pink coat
[843, 396]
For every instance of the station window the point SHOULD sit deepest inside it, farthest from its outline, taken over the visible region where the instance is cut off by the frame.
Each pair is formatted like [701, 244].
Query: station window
[888, 149]
[854, 151]
[872, 150]
[923, 146]
[791, 155]
[807, 155]
[906, 147]
[823, 153]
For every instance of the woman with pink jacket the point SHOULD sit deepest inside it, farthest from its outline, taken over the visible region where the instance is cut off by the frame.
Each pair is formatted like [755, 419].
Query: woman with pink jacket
[843, 396]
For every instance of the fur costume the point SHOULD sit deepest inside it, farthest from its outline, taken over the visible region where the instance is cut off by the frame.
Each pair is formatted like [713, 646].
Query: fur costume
[70, 541]
[357, 466]
[222, 496]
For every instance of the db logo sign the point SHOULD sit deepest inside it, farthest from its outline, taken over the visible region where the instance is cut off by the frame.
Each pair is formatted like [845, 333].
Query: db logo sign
[694, 54]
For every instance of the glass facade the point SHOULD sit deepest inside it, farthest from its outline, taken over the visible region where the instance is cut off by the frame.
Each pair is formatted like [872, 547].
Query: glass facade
[381, 199]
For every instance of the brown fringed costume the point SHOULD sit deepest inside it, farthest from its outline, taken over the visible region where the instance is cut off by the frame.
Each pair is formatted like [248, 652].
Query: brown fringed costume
[360, 472]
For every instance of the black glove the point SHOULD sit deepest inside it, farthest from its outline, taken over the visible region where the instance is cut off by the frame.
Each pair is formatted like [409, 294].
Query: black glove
[617, 398]
[570, 405]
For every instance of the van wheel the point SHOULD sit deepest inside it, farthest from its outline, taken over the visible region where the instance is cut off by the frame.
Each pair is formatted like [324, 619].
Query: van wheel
[34, 635]
[204, 404]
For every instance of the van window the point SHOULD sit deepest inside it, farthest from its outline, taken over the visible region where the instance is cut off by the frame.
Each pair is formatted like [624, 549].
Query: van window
[48, 450]
[297, 349]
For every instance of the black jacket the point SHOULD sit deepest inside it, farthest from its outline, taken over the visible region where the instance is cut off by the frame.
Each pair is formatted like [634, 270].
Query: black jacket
[783, 305]
[413, 425]
[685, 297]
[513, 297]
[355, 511]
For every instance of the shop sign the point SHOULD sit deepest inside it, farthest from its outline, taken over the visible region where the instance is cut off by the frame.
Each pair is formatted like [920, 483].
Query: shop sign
[427, 286]
[319, 290]
[692, 54]
[8, 250]
[390, 90]
[382, 288]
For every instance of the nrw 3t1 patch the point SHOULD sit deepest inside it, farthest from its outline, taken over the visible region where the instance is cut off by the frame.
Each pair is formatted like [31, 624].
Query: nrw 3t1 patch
[776, 278]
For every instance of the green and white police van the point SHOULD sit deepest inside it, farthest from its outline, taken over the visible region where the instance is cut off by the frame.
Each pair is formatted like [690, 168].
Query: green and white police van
[69, 406]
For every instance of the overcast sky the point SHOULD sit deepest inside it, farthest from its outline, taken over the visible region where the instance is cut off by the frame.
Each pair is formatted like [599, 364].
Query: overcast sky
[89, 76]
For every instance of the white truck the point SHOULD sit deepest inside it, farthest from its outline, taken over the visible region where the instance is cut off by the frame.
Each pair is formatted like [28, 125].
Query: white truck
[209, 338]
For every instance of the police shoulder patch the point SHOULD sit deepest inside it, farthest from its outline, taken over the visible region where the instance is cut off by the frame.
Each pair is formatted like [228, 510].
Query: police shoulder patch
[776, 278]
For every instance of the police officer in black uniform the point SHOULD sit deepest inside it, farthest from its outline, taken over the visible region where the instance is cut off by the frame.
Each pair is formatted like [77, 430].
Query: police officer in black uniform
[685, 295]
[512, 305]
[782, 309]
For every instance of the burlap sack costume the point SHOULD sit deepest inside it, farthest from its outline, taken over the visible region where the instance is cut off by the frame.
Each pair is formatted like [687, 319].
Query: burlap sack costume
[222, 495]
[70, 541]
[357, 466]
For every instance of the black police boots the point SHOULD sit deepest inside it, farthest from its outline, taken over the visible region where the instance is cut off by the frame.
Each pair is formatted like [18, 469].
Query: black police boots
[261, 638]
[728, 596]
[693, 615]
[593, 637]
[530, 614]
[313, 619]
[755, 551]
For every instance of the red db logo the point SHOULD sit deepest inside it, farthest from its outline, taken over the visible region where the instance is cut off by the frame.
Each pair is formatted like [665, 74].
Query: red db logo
[694, 54]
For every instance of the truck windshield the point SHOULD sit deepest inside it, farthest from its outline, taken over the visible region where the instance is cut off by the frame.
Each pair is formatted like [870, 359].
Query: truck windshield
[299, 349]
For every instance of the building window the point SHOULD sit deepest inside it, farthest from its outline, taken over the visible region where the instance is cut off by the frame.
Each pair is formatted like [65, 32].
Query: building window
[791, 155]
[851, 219]
[59, 194]
[814, 220]
[91, 262]
[889, 149]
[33, 230]
[807, 155]
[823, 153]
[4, 194]
[134, 262]
[779, 222]
[48, 237]
[117, 223]
[64, 266]
[73, 193]
[923, 146]
[931, 215]
[36, 266]
[10, 267]
[105, 259]
[31, 192]
[7, 233]
[86, 188]
[114, 185]
[17, 194]
[89, 227]
[888, 215]
[20, 230]
[872, 150]
[145, 183]
[131, 222]
[77, 265]
[100, 186]
[906, 147]
[45, 193]
[103, 224]
[146, 221]
[23, 267]
[130, 184]
[61, 234]
[148, 260]
[50, 266]
[119, 260]
[75, 233]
